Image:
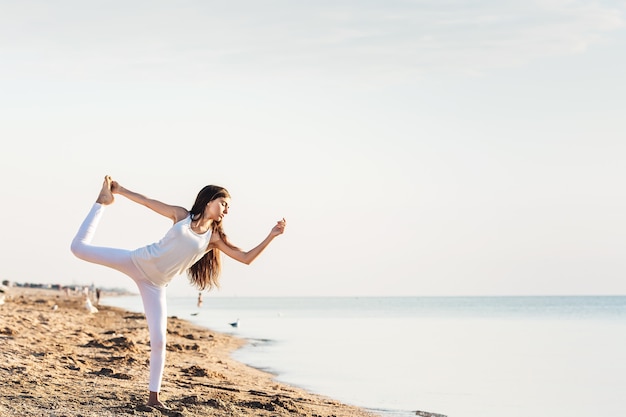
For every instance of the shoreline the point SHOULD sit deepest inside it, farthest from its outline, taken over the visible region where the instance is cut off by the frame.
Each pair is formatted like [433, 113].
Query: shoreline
[60, 360]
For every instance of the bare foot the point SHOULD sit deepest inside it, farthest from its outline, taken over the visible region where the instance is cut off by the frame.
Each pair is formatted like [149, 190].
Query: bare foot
[106, 196]
[158, 405]
[153, 401]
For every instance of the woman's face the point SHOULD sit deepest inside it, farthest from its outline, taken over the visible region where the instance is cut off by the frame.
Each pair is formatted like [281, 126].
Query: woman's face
[217, 209]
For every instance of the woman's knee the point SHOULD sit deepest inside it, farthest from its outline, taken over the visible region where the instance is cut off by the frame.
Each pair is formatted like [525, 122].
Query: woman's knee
[77, 248]
[158, 342]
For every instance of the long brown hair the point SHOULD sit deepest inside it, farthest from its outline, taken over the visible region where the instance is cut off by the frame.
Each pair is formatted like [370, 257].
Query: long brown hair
[205, 273]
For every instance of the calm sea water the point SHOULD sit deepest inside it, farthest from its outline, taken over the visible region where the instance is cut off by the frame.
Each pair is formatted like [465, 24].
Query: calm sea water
[457, 356]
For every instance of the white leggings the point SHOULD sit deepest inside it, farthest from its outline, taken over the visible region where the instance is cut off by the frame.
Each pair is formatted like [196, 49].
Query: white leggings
[153, 296]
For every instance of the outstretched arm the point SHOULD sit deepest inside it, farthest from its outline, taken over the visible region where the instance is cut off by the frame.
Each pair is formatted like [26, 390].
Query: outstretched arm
[175, 213]
[247, 257]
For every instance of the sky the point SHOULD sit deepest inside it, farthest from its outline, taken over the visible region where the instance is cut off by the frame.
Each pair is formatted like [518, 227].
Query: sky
[416, 148]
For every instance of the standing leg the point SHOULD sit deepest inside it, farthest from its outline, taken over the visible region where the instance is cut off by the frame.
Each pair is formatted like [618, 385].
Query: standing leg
[156, 315]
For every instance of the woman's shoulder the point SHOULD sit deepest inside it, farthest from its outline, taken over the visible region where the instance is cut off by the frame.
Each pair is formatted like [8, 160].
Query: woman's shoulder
[180, 214]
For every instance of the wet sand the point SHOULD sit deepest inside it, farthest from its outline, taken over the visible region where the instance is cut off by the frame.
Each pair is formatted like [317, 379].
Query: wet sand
[58, 360]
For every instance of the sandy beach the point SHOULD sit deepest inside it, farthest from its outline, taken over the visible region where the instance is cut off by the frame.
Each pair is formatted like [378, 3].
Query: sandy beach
[59, 360]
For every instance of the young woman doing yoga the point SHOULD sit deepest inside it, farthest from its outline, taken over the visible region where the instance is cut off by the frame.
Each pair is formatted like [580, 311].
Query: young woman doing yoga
[193, 244]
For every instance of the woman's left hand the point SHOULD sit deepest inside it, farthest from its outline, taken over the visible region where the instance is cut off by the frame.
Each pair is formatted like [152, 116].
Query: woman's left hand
[279, 228]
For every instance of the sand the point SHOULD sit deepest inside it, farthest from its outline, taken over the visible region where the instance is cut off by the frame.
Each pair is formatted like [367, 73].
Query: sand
[59, 360]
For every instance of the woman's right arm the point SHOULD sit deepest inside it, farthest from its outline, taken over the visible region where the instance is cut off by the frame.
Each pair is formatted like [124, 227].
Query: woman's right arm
[176, 213]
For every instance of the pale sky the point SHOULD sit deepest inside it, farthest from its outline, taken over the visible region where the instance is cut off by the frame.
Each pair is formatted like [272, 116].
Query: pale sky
[414, 147]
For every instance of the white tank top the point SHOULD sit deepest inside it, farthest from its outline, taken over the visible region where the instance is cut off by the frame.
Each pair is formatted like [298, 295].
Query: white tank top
[180, 248]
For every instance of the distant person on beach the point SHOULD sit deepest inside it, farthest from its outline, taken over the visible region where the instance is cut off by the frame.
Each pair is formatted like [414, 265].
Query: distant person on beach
[200, 299]
[193, 244]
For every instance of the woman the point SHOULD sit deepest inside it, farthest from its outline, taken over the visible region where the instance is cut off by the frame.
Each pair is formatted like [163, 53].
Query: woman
[193, 244]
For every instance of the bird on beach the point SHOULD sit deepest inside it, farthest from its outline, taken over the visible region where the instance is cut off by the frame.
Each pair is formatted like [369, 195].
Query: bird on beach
[90, 307]
[235, 324]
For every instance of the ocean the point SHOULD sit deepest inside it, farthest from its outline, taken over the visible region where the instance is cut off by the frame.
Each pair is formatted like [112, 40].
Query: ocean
[456, 356]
